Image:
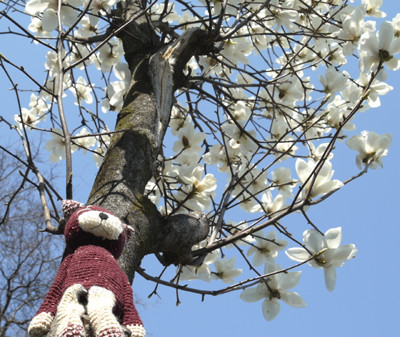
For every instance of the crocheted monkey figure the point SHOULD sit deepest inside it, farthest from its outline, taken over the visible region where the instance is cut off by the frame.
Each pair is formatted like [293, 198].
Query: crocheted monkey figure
[90, 282]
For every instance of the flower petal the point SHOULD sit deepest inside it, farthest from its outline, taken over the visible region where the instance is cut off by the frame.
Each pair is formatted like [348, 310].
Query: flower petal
[330, 278]
[270, 309]
[342, 254]
[303, 170]
[386, 34]
[314, 240]
[333, 237]
[289, 280]
[251, 295]
[293, 299]
[297, 254]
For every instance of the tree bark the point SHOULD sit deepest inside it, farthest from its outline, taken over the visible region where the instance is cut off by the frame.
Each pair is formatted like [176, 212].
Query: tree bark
[131, 159]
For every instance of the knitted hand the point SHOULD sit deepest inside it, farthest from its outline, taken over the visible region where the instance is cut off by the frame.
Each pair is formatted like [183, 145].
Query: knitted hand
[40, 324]
[136, 330]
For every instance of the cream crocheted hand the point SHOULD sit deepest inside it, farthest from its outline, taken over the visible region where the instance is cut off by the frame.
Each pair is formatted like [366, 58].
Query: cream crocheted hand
[40, 324]
[136, 330]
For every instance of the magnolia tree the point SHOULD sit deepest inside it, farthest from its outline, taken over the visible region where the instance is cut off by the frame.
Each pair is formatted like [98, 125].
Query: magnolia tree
[198, 113]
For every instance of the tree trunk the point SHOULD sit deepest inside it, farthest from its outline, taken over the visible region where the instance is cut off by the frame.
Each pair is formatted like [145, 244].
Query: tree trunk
[141, 125]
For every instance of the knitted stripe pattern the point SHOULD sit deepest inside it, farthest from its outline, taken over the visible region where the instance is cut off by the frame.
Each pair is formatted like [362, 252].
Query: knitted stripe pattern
[73, 330]
[137, 330]
[69, 207]
[70, 311]
[112, 332]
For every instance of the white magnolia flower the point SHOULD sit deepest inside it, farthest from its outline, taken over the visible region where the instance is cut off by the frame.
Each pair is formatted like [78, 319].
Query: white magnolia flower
[372, 8]
[333, 81]
[290, 90]
[213, 66]
[88, 27]
[277, 289]
[283, 15]
[317, 153]
[329, 254]
[239, 138]
[167, 11]
[79, 52]
[110, 54]
[240, 110]
[234, 228]
[375, 90]
[259, 39]
[196, 190]
[36, 27]
[152, 191]
[336, 112]
[39, 105]
[82, 91]
[279, 127]
[285, 148]
[188, 158]
[29, 118]
[115, 92]
[265, 248]
[270, 205]
[226, 270]
[248, 203]
[282, 179]
[252, 179]
[51, 85]
[99, 6]
[189, 140]
[377, 48]
[371, 147]
[202, 272]
[179, 119]
[56, 145]
[49, 8]
[122, 72]
[236, 50]
[52, 63]
[322, 183]
[396, 25]
[85, 142]
[222, 156]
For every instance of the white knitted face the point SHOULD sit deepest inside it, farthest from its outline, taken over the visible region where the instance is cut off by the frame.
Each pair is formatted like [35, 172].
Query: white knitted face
[101, 224]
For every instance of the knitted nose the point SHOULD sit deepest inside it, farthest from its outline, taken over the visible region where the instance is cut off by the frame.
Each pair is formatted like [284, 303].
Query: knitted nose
[103, 216]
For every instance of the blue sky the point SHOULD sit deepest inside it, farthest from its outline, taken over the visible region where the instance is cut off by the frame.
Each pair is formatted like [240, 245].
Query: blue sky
[366, 300]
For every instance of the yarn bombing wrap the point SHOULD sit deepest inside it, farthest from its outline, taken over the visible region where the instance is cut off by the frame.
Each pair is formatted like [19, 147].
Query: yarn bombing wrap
[90, 283]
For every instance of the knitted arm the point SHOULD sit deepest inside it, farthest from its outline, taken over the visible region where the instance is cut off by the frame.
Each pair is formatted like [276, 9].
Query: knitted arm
[131, 317]
[41, 322]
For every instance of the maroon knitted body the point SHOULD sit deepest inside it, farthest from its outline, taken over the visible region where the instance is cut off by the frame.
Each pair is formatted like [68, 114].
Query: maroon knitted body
[93, 266]
[94, 239]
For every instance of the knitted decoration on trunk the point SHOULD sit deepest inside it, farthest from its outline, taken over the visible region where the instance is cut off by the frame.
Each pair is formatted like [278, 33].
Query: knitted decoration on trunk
[90, 286]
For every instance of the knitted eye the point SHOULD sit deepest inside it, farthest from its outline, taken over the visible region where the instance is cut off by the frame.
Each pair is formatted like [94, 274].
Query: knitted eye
[100, 224]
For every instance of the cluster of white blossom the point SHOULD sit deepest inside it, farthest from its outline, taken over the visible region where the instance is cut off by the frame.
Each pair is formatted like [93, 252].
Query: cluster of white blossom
[285, 108]
[77, 57]
[286, 93]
